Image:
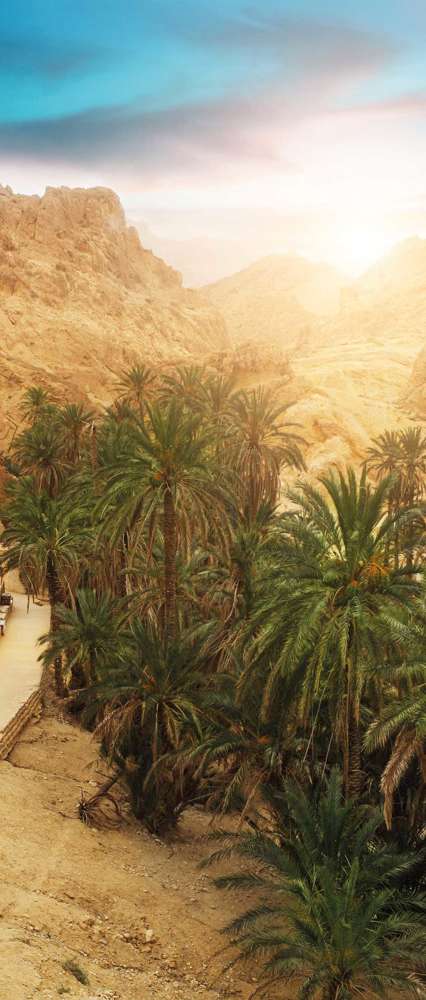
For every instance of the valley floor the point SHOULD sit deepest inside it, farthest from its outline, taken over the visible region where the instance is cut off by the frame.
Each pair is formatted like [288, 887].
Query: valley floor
[70, 892]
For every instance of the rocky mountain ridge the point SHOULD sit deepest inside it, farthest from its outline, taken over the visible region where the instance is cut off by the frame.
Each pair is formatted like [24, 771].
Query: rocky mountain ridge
[80, 296]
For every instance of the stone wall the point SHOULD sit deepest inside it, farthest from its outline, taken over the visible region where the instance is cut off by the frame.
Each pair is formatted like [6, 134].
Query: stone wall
[11, 732]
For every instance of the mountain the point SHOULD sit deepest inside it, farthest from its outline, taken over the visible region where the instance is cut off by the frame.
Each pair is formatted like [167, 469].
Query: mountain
[80, 296]
[352, 346]
[277, 299]
[364, 356]
[401, 271]
[200, 259]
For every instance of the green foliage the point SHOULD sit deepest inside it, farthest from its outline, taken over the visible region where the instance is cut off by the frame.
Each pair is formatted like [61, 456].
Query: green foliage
[221, 641]
[330, 912]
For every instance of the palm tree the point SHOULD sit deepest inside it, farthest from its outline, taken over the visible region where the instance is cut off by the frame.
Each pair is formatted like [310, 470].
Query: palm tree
[384, 454]
[330, 915]
[151, 699]
[242, 752]
[74, 422]
[137, 385]
[412, 465]
[214, 398]
[262, 445]
[183, 384]
[334, 604]
[38, 451]
[35, 401]
[404, 720]
[401, 454]
[47, 539]
[166, 475]
[88, 635]
[383, 460]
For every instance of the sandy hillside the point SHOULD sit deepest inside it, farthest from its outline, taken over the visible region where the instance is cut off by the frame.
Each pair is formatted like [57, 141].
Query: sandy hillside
[90, 896]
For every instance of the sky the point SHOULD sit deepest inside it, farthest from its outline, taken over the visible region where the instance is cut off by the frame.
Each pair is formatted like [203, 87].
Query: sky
[280, 125]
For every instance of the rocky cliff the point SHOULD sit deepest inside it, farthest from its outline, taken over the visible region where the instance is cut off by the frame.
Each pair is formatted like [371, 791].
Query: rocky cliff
[80, 296]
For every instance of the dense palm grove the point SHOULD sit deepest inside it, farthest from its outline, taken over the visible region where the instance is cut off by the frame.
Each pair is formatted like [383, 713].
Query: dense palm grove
[263, 659]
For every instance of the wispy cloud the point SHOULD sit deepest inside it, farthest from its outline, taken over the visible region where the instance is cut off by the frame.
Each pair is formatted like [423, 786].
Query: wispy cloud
[309, 63]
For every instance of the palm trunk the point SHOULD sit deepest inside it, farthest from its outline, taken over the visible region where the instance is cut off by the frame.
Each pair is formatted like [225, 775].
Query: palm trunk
[53, 588]
[170, 549]
[93, 448]
[352, 759]
[355, 777]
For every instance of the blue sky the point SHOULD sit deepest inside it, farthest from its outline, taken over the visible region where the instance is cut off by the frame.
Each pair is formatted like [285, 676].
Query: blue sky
[204, 113]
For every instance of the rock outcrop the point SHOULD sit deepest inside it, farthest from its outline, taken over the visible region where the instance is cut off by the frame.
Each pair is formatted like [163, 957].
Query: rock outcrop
[80, 296]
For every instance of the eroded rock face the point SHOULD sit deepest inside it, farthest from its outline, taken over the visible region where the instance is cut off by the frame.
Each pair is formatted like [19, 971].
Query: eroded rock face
[80, 296]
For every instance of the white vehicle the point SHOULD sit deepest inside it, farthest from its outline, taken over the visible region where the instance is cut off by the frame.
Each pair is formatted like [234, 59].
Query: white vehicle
[6, 608]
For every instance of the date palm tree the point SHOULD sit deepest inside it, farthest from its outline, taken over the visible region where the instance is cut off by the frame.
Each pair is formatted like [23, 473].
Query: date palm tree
[334, 603]
[47, 539]
[35, 401]
[87, 634]
[243, 752]
[136, 386]
[39, 453]
[165, 482]
[412, 465]
[404, 721]
[384, 454]
[74, 423]
[262, 444]
[330, 916]
[150, 700]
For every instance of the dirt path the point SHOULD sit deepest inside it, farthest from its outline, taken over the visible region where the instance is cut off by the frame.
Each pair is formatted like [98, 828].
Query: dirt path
[19, 652]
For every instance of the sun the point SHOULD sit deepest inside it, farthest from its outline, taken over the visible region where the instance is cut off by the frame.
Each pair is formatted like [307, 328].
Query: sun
[360, 247]
[354, 245]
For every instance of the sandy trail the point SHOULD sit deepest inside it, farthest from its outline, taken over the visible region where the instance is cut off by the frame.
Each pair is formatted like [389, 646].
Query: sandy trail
[19, 652]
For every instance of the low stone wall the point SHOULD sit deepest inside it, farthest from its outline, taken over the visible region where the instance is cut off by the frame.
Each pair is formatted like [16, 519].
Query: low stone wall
[9, 735]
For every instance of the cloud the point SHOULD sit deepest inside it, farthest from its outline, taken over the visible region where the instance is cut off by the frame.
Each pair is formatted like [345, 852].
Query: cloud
[194, 138]
[307, 46]
[411, 103]
[46, 60]
[309, 61]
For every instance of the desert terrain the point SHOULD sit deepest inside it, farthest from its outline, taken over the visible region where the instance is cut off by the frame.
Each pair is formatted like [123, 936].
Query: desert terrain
[136, 914]
[80, 298]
